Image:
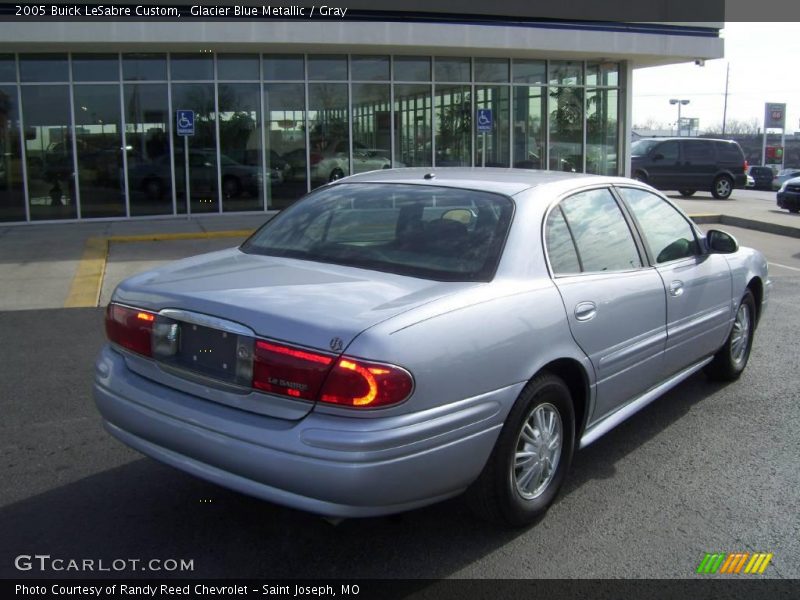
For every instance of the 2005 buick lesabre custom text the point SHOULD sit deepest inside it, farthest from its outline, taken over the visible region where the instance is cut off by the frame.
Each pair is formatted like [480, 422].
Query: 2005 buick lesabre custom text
[400, 337]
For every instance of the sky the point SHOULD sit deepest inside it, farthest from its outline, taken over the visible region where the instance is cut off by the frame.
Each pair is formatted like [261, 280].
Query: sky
[764, 61]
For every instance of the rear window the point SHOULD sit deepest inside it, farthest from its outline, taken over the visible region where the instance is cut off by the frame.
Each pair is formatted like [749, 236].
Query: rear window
[729, 152]
[423, 231]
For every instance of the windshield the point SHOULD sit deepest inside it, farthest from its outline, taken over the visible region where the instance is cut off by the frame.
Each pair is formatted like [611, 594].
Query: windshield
[642, 147]
[423, 231]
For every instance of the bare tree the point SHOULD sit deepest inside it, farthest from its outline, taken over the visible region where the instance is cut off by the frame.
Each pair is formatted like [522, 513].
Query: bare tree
[735, 127]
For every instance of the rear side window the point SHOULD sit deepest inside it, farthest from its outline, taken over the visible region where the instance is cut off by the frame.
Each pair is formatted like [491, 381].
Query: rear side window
[698, 151]
[668, 152]
[600, 232]
[668, 235]
[729, 152]
[432, 232]
[560, 247]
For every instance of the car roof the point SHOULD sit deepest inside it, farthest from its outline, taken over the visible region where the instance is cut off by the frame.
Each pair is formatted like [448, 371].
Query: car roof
[490, 179]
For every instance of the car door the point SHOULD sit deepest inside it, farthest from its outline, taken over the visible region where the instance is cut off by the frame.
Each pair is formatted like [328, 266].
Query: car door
[699, 164]
[664, 168]
[614, 303]
[698, 285]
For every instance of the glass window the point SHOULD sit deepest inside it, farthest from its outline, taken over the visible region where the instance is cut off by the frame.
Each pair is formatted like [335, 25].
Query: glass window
[43, 67]
[668, 235]
[8, 68]
[12, 193]
[601, 233]
[566, 72]
[412, 230]
[95, 67]
[285, 110]
[283, 67]
[566, 129]
[327, 67]
[729, 152]
[48, 149]
[604, 74]
[198, 97]
[98, 135]
[191, 67]
[328, 132]
[698, 152]
[453, 106]
[412, 109]
[489, 70]
[372, 133]
[495, 152]
[144, 67]
[668, 151]
[237, 66]
[240, 146]
[529, 71]
[412, 68]
[452, 69]
[530, 117]
[601, 131]
[147, 125]
[370, 68]
[561, 250]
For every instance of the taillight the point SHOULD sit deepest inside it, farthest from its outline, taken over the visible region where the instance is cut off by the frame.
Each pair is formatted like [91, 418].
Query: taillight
[746, 166]
[315, 158]
[361, 384]
[289, 371]
[130, 328]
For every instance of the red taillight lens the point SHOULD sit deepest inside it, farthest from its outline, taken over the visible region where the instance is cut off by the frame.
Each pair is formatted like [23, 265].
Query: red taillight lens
[361, 384]
[289, 371]
[746, 166]
[130, 328]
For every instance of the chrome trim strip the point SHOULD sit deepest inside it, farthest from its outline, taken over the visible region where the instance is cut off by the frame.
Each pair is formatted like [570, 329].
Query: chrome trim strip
[611, 421]
[207, 321]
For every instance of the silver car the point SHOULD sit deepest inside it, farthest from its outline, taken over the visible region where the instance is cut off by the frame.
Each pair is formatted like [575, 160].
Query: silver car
[400, 337]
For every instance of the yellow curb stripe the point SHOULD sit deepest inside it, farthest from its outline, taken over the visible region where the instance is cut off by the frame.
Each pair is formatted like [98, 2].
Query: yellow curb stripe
[87, 283]
[85, 287]
[767, 559]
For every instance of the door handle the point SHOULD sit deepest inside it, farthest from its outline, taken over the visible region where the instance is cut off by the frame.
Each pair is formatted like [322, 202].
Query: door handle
[585, 311]
[676, 288]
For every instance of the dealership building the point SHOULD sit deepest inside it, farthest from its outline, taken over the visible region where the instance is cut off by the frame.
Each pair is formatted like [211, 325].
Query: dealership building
[112, 118]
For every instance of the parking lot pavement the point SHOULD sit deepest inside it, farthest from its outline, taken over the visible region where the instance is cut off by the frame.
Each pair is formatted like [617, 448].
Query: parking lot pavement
[706, 468]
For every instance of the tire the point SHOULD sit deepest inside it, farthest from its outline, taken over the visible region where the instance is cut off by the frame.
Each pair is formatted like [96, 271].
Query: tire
[729, 362]
[722, 187]
[505, 493]
[794, 210]
[231, 188]
[686, 193]
[639, 176]
[336, 174]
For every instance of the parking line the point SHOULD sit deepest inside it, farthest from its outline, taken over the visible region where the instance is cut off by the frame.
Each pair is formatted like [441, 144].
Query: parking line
[87, 283]
[773, 264]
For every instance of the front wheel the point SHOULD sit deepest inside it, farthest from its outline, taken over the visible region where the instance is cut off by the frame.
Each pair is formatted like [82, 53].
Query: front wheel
[722, 187]
[639, 176]
[531, 457]
[335, 175]
[731, 359]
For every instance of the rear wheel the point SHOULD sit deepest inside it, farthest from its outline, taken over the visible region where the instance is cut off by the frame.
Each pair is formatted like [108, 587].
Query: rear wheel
[336, 174]
[686, 193]
[794, 210]
[231, 188]
[531, 457]
[722, 187]
[639, 176]
[731, 359]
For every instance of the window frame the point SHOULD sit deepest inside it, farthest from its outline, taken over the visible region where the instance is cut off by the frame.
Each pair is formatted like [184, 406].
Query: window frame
[638, 241]
[641, 232]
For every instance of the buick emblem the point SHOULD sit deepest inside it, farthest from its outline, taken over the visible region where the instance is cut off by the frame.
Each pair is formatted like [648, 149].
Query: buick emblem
[337, 344]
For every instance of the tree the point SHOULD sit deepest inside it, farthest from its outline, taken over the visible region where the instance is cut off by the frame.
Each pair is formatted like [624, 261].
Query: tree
[735, 127]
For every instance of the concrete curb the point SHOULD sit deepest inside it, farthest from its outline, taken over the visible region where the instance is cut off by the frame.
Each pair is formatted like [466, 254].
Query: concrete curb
[773, 228]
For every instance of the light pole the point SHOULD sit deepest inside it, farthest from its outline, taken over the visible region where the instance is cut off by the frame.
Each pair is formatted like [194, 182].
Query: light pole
[679, 103]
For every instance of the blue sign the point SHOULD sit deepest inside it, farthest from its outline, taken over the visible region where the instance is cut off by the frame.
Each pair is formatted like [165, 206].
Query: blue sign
[484, 119]
[184, 120]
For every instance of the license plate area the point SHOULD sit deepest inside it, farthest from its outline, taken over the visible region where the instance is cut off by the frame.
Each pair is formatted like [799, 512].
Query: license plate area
[208, 351]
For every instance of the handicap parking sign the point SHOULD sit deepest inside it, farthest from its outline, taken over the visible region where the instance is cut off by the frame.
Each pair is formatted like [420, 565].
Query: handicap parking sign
[185, 122]
[484, 119]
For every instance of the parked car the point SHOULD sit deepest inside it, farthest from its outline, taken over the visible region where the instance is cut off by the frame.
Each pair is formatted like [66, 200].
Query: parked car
[331, 162]
[789, 195]
[783, 176]
[751, 182]
[689, 164]
[762, 177]
[399, 337]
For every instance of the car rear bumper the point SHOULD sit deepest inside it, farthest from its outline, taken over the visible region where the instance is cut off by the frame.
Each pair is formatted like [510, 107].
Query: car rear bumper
[326, 464]
[789, 200]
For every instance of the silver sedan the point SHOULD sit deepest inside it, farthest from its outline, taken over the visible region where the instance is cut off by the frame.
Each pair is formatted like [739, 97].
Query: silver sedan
[401, 337]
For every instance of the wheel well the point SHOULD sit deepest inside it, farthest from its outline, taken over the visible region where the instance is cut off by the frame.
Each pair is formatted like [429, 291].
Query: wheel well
[757, 288]
[574, 376]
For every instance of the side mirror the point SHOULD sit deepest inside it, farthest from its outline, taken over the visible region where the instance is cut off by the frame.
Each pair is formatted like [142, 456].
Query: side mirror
[658, 156]
[721, 242]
